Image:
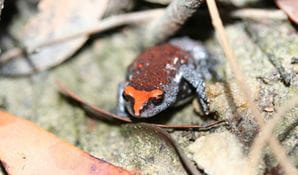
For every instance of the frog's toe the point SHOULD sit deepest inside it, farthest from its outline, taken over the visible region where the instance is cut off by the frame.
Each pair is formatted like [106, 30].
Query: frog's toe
[205, 106]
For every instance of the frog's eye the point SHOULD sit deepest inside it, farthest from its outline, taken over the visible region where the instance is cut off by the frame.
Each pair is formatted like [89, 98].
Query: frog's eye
[157, 100]
[127, 97]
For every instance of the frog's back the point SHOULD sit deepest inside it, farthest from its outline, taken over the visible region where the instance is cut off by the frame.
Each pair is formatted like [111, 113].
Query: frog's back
[156, 67]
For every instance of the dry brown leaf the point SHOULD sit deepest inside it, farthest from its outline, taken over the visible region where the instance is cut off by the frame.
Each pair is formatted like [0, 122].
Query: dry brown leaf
[26, 149]
[290, 7]
[56, 19]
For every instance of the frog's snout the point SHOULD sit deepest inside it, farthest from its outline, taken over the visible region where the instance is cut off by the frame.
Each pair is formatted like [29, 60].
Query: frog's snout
[139, 98]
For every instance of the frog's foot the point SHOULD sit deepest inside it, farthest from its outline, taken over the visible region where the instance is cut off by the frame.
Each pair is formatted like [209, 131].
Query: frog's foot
[204, 102]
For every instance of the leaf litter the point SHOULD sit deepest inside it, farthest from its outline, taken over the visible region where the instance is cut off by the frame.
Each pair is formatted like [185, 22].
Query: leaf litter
[55, 19]
[29, 150]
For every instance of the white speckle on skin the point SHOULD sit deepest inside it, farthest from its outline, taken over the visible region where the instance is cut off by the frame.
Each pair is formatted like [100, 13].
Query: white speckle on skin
[170, 67]
[178, 77]
[175, 60]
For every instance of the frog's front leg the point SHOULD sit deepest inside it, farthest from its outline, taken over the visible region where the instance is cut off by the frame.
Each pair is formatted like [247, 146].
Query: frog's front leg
[195, 78]
[120, 110]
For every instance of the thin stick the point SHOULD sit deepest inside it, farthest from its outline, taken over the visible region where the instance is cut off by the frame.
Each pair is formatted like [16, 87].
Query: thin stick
[199, 127]
[266, 131]
[108, 23]
[259, 14]
[231, 58]
[104, 114]
[103, 25]
[171, 21]
[107, 115]
[12, 53]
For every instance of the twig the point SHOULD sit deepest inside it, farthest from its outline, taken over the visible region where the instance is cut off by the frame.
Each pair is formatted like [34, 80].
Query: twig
[105, 24]
[116, 7]
[102, 114]
[173, 18]
[231, 58]
[12, 53]
[266, 132]
[199, 127]
[259, 14]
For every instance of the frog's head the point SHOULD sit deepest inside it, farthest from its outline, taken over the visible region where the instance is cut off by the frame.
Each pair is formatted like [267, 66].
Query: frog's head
[142, 103]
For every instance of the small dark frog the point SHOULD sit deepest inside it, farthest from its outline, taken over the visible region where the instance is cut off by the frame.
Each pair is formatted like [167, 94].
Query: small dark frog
[163, 76]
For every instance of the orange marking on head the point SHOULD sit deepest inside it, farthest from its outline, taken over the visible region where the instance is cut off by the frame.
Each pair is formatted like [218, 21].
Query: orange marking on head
[141, 97]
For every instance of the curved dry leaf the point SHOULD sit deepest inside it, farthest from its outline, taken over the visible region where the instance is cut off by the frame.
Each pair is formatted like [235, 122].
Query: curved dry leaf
[56, 19]
[290, 7]
[29, 150]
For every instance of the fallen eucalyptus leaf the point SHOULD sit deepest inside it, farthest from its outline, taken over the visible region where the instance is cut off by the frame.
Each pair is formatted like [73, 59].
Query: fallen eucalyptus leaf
[26, 149]
[290, 7]
[56, 19]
